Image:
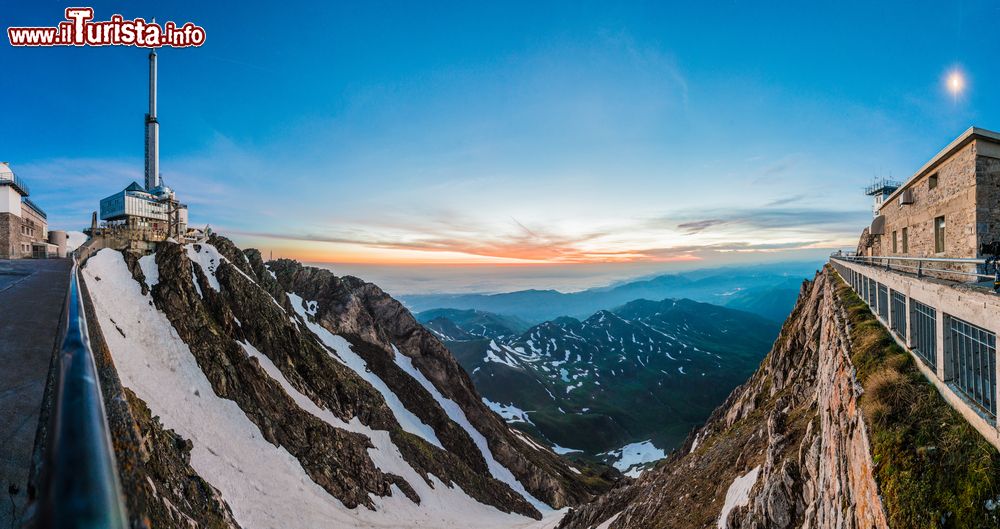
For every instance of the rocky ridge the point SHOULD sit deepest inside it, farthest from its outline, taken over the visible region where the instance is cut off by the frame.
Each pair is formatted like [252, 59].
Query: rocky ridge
[789, 448]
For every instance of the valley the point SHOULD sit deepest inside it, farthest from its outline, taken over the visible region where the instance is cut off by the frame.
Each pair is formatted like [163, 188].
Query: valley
[631, 380]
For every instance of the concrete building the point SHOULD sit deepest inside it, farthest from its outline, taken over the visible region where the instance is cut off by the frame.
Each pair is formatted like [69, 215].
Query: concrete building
[23, 225]
[949, 208]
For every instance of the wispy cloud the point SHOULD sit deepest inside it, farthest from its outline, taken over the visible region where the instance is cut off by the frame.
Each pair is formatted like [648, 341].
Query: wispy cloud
[699, 225]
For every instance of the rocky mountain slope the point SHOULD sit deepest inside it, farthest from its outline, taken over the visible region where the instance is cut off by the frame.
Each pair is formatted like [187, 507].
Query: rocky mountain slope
[251, 395]
[788, 448]
[837, 429]
[646, 371]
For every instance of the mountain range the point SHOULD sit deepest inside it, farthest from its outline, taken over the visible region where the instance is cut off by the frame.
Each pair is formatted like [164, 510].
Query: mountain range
[766, 290]
[648, 371]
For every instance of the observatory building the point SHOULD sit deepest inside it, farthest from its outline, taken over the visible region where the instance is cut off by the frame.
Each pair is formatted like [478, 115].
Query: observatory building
[23, 225]
[145, 215]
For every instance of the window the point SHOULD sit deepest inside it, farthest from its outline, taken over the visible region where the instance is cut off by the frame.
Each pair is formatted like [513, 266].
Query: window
[932, 181]
[895, 240]
[939, 235]
[906, 242]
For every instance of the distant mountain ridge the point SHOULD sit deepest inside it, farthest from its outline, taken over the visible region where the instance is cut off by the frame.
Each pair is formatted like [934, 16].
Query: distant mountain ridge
[647, 370]
[769, 291]
[470, 324]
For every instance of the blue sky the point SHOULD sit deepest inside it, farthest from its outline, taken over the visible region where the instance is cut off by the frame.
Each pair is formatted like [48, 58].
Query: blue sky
[507, 132]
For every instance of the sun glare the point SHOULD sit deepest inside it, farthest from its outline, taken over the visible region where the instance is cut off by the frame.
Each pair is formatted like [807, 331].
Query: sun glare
[956, 82]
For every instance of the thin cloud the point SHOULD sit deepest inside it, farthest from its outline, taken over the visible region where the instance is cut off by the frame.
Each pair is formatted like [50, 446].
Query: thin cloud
[699, 225]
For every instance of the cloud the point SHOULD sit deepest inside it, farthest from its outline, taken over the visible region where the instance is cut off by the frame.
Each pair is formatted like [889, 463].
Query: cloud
[774, 218]
[785, 201]
[699, 225]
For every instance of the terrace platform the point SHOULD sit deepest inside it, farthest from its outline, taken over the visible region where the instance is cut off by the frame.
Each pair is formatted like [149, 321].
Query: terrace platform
[32, 297]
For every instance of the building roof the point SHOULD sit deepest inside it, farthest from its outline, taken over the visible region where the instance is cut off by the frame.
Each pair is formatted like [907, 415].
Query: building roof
[972, 133]
[134, 186]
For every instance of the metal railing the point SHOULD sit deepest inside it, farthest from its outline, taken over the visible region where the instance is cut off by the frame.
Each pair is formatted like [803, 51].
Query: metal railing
[924, 324]
[79, 486]
[974, 355]
[898, 323]
[9, 178]
[924, 265]
[961, 356]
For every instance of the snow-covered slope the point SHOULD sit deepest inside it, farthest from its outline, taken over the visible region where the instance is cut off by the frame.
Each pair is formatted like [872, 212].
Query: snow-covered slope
[646, 371]
[316, 408]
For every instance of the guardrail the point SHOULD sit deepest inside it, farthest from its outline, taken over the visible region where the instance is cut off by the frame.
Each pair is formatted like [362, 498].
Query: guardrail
[951, 333]
[79, 487]
[986, 269]
[9, 178]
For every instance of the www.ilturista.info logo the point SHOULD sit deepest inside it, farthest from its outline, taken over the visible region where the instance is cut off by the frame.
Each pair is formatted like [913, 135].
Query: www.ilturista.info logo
[79, 29]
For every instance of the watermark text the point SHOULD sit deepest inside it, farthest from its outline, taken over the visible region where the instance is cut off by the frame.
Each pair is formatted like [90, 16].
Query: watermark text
[80, 29]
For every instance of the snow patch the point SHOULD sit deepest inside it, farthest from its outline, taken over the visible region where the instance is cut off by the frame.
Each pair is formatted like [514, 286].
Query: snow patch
[607, 523]
[509, 412]
[738, 495]
[74, 240]
[632, 458]
[147, 264]
[563, 450]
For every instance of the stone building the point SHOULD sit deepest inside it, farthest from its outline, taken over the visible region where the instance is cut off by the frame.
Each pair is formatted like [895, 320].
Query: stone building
[23, 225]
[947, 209]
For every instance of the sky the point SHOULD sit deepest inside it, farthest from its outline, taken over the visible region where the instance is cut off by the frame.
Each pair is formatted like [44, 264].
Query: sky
[521, 138]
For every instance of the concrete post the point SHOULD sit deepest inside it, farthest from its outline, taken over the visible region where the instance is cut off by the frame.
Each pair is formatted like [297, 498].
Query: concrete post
[889, 311]
[908, 339]
[944, 368]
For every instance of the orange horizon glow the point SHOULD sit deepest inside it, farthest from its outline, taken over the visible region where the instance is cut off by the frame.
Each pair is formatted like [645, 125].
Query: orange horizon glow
[426, 250]
[453, 259]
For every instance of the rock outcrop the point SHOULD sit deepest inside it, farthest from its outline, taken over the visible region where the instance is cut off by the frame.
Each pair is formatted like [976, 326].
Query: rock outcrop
[794, 431]
[238, 318]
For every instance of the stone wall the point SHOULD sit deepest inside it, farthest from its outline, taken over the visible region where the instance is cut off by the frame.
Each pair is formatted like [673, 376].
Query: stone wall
[10, 236]
[987, 196]
[954, 197]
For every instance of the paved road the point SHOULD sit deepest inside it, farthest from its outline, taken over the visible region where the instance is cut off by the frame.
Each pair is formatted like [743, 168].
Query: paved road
[32, 294]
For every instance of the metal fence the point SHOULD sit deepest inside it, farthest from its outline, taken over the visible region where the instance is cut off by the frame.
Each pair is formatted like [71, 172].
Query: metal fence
[883, 301]
[923, 322]
[898, 323]
[79, 486]
[968, 371]
[972, 351]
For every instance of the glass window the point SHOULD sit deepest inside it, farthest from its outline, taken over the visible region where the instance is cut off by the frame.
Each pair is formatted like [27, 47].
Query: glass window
[906, 242]
[932, 181]
[939, 234]
[895, 241]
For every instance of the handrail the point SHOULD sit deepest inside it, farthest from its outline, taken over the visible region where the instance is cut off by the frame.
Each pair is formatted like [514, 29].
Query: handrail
[79, 487]
[887, 260]
[963, 260]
